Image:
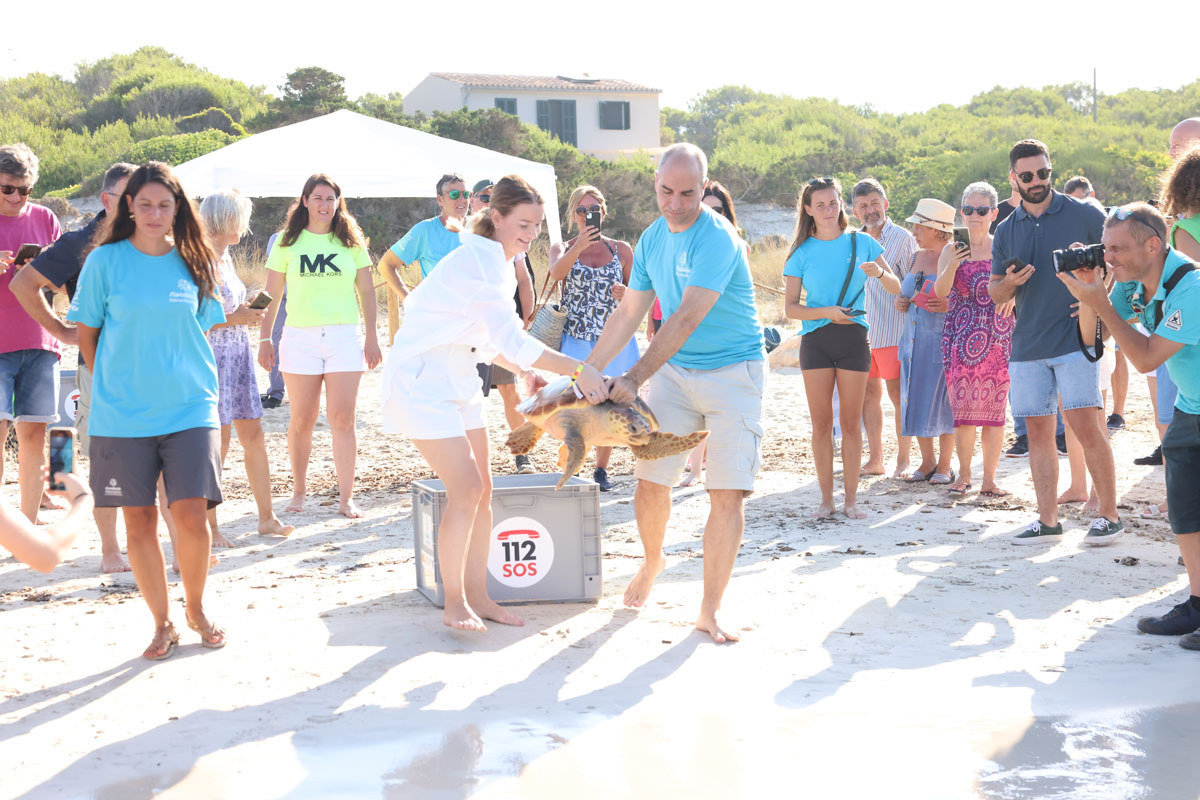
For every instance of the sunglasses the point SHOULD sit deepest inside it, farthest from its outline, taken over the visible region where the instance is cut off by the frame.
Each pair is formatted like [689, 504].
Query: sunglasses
[21, 190]
[1122, 213]
[826, 181]
[1027, 177]
[587, 210]
[982, 211]
[487, 198]
[454, 194]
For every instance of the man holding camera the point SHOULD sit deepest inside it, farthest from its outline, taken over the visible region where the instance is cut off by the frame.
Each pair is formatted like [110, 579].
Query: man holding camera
[1159, 287]
[1047, 363]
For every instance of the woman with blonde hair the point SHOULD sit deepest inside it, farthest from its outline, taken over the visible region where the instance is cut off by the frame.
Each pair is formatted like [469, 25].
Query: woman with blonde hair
[460, 314]
[594, 270]
[831, 266]
[322, 257]
[226, 218]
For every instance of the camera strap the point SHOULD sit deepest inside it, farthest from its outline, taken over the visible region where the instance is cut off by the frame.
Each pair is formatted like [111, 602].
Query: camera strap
[1099, 347]
[849, 272]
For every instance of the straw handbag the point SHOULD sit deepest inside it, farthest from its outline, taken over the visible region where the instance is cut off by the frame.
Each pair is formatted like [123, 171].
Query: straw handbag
[549, 319]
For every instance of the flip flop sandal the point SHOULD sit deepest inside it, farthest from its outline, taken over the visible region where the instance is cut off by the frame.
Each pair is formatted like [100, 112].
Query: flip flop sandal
[959, 488]
[1152, 512]
[997, 492]
[941, 479]
[172, 644]
[916, 476]
[215, 639]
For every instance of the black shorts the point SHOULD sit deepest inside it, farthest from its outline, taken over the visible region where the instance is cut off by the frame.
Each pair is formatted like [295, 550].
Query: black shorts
[124, 470]
[836, 347]
[1181, 456]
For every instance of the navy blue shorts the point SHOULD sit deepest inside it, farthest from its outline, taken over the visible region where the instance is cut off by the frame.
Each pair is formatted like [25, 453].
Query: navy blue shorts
[1181, 456]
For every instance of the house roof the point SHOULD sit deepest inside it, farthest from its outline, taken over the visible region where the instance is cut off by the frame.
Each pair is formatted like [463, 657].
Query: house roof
[559, 82]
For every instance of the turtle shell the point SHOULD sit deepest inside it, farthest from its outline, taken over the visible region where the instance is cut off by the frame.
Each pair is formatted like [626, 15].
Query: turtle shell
[558, 395]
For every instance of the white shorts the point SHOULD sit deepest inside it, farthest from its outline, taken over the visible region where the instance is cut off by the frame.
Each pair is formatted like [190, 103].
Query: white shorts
[321, 349]
[435, 395]
[1108, 363]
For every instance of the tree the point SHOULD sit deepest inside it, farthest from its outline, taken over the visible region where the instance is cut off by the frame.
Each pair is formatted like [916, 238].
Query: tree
[314, 89]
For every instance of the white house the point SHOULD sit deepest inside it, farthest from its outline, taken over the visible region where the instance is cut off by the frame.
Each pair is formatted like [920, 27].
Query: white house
[603, 117]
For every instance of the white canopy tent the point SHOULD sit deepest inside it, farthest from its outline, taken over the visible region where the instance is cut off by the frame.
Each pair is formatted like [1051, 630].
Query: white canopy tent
[366, 156]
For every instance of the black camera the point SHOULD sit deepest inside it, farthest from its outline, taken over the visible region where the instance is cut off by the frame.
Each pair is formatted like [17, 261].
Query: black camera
[1088, 257]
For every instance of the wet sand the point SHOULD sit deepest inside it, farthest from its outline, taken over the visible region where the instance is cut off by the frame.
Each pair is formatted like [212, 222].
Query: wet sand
[914, 654]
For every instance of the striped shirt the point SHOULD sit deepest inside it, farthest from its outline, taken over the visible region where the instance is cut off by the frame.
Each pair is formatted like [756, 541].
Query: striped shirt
[885, 321]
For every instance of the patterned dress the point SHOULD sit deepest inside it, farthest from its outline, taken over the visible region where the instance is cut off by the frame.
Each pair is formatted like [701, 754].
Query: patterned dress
[588, 300]
[231, 346]
[924, 408]
[975, 348]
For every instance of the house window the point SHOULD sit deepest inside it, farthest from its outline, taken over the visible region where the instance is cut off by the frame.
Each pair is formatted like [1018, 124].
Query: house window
[507, 104]
[614, 116]
[557, 117]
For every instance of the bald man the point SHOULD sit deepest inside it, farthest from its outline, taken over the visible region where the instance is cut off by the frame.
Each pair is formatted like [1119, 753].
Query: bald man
[1185, 134]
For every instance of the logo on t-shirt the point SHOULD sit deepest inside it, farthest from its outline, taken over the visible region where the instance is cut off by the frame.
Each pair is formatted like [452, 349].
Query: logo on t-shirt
[185, 292]
[1175, 321]
[317, 265]
[682, 270]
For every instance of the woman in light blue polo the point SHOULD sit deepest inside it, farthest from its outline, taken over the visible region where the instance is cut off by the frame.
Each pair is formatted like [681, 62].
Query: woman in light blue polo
[831, 266]
[150, 286]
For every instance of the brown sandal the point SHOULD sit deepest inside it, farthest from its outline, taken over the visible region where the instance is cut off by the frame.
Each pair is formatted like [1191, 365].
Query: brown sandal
[172, 644]
[214, 639]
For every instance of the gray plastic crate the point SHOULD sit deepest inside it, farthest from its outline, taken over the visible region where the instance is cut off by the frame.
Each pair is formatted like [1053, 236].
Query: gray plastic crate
[68, 398]
[544, 546]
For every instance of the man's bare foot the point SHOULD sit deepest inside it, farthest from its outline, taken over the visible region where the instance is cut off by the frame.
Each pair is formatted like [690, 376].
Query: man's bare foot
[824, 511]
[460, 617]
[219, 540]
[212, 562]
[273, 527]
[1092, 507]
[486, 608]
[52, 503]
[1073, 496]
[708, 624]
[638, 590]
[852, 512]
[113, 562]
[349, 510]
[295, 505]
[873, 467]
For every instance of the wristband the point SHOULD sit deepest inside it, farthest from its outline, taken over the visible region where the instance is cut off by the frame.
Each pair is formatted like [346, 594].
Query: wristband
[264, 341]
[578, 372]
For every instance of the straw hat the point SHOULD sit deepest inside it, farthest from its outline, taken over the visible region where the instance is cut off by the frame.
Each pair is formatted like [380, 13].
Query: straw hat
[934, 214]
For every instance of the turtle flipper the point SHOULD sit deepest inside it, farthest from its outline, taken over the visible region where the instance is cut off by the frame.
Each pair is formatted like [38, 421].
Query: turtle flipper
[662, 445]
[576, 453]
[523, 438]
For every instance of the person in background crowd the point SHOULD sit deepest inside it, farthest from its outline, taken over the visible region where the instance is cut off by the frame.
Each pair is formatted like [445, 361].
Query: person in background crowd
[594, 270]
[431, 240]
[832, 267]
[29, 354]
[154, 387]
[1008, 205]
[481, 195]
[322, 259]
[43, 548]
[1183, 137]
[57, 268]
[925, 405]
[976, 341]
[870, 204]
[1080, 188]
[1161, 287]
[226, 218]
[1046, 366]
[463, 312]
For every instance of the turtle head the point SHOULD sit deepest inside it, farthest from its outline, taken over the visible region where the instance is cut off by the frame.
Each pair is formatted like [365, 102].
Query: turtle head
[630, 425]
[639, 406]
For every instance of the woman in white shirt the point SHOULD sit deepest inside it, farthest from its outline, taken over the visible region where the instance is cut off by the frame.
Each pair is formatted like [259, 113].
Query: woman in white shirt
[458, 316]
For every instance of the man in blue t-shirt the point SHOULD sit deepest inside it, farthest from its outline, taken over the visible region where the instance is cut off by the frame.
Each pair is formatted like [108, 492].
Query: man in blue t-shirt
[707, 363]
[430, 240]
[1046, 363]
[1159, 287]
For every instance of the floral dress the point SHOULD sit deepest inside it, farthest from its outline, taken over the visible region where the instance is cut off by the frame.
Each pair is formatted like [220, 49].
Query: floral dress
[231, 346]
[588, 300]
[976, 342]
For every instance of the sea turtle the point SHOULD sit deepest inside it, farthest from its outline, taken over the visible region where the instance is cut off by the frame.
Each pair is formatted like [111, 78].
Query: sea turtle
[558, 411]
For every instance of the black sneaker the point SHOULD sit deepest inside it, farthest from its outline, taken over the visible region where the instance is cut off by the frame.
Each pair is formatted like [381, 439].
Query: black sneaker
[1104, 531]
[524, 465]
[1115, 422]
[1179, 620]
[1020, 447]
[1190, 642]
[1037, 533]
[271, 402]
[1060, 442]
[600, 476]
[1152, 460]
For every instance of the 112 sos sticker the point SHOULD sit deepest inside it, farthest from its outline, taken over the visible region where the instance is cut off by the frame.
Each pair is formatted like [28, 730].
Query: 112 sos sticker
[521, 552]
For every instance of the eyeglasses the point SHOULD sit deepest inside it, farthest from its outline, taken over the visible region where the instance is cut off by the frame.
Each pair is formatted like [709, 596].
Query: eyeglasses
[1027, 177]
[982, 211]
[487, 198]
[1122, 213]
[21, 190]
[454, 194]
[587, 210]
[826, 181]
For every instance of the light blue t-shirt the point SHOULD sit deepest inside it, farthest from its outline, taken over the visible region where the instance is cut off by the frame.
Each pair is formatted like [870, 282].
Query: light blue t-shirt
[1180, 323]
[821, 266]
[427, 242]
[710, 255]
[154, 373]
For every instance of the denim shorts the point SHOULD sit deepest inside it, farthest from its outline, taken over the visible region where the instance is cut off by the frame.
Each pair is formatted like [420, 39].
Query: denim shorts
[29, 386]
[1037, 385]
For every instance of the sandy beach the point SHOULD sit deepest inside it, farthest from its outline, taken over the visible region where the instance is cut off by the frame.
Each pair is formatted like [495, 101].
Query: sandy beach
[915, 654]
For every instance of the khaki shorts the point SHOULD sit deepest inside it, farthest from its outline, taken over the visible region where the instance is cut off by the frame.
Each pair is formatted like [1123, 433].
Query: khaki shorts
[727, 402]
[83, 382]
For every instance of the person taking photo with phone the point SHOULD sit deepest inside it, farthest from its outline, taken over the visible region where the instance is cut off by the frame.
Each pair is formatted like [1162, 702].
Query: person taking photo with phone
[831, 266]
[43, 548]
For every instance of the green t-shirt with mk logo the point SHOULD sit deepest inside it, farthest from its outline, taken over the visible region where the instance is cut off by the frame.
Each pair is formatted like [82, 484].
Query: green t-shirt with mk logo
[320, 273]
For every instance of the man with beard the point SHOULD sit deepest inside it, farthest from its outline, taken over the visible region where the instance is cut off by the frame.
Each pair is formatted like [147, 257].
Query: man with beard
[1046, 364]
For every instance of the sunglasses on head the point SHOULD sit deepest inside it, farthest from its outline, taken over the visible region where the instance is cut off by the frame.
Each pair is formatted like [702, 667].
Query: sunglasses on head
[587, 209]
[454, 194]
[1027, 177]
[826, 181]
[982, 211]
[1122, 213]
[21, 190]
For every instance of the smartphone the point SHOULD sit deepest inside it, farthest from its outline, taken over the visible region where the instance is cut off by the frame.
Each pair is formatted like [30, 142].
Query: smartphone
[592, 220]
[961, 237]
[27, 253]
[854, 312]
[262, 301]
[62, 454]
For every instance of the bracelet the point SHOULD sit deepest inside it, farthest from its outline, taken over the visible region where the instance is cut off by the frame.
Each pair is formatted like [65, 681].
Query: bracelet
[264, 341]
[578, 372]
